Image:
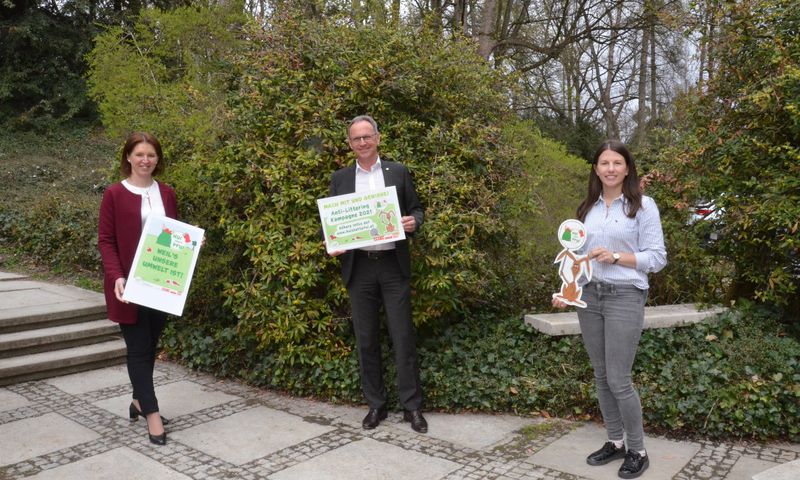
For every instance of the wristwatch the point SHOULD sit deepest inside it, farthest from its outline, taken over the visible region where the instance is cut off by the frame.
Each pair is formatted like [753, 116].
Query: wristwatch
[616, 258]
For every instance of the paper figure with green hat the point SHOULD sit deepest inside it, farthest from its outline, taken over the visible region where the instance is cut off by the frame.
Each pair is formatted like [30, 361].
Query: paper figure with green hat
[572, 236]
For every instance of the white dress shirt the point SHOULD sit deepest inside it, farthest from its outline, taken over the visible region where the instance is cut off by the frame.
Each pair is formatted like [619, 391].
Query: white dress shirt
[367, 180]
[151, 199]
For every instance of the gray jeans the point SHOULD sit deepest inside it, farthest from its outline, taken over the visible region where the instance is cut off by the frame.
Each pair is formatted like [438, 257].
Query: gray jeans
[611, 325]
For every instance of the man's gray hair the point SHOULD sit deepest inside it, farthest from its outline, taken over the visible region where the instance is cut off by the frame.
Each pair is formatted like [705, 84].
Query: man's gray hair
[363, 118]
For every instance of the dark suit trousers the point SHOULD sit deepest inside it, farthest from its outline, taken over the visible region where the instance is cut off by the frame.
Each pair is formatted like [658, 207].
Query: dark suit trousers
[375, 282]
[141, 339]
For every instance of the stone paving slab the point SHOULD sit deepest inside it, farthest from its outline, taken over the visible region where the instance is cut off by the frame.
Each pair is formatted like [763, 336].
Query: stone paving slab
[246, 436]
[11, 401]
[101, 378]
[476, 431]
[175, 399]
[786, 471]
[32, 437]
[568, 454]
[110, 465]
[76, 427]
[746, 467]
[369, 459]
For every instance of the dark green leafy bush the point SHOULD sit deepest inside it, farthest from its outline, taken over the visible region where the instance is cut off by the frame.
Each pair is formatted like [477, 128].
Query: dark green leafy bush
[738, 377]
[547, 186]
[41, 72]
[737, 147]
[439, 112]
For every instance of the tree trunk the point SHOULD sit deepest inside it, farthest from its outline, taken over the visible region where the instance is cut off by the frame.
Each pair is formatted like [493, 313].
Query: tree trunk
[395, 12]
[460, 16]
[486, 42]
[653, 78]
[641, 113]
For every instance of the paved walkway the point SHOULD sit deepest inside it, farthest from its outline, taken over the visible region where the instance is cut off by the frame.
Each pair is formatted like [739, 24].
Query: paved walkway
[76, 427]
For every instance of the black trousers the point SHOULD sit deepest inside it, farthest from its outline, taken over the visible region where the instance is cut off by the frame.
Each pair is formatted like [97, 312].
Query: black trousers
[375, 282]
[141, 340]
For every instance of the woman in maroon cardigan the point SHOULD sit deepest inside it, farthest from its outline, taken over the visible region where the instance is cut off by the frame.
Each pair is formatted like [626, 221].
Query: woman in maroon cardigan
[123, 211]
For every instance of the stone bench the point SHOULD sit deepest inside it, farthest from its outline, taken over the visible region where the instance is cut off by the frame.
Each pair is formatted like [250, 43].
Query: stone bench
[566, 323]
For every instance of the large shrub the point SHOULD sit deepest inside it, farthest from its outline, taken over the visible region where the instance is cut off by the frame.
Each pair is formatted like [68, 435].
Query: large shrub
[439, 112]
[167, 73]
[741, 149]
[735, 377]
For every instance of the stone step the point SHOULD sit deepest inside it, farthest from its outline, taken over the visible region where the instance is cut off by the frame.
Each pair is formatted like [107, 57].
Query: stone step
[11, 276]
[28, 304]
[566, 323]
[60, 362]
[58, 337]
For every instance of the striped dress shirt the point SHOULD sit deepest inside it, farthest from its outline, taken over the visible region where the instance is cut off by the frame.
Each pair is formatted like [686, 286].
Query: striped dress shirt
[611, 228]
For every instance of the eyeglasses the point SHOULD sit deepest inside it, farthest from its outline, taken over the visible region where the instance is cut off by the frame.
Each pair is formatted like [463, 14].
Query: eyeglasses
[363, 138]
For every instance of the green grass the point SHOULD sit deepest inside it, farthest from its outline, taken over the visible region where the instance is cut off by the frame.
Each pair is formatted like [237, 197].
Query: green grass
[52, 186]
[71, 162]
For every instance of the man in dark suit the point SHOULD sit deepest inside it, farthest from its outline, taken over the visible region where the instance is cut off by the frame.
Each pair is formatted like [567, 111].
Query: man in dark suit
[381, 275]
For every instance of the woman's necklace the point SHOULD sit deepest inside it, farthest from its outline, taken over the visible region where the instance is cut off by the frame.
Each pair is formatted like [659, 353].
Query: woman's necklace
[145, 191]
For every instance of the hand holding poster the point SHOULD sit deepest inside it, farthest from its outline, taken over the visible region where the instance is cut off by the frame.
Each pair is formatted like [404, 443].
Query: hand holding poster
[361, 219]
[164, 263]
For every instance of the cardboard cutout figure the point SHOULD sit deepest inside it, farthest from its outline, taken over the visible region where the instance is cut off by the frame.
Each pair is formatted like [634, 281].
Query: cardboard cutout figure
[572, 235]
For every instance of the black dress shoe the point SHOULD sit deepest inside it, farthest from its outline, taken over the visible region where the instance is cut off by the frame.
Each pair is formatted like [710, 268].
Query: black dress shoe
[608, 453]
[373, 418]
[634, 465]
[135, 413]
[418, 423]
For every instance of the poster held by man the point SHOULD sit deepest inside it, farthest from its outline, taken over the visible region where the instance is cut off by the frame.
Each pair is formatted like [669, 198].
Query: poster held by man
[363, 219]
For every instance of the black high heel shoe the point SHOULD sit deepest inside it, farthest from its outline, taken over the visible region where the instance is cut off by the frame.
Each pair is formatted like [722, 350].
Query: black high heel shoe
[158, 439]
[135, 413]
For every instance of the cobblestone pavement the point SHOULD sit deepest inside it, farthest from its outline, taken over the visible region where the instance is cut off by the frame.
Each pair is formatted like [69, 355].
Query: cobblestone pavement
[76, 427]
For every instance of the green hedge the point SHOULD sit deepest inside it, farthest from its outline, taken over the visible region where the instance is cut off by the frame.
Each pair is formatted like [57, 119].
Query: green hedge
[736, 376]
[739, 377]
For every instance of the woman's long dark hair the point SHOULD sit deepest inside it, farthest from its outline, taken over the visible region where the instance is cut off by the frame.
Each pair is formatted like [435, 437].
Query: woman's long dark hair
[630, 185]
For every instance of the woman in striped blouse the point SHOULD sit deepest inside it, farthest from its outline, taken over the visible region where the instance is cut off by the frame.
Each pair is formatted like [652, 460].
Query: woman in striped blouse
[625, 243]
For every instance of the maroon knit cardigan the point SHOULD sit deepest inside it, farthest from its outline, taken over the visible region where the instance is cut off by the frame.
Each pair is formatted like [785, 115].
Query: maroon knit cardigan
[118, 232]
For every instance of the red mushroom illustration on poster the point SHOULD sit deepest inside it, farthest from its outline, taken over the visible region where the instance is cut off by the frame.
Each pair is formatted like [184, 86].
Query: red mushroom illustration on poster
[572, 235]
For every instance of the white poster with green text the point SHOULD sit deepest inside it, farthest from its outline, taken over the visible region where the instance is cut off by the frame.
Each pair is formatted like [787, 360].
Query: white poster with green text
[164, 263]
[357, 220]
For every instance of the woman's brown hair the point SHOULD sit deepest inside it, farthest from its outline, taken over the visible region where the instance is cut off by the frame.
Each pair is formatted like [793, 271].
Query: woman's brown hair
[630, 186]
[134, 139]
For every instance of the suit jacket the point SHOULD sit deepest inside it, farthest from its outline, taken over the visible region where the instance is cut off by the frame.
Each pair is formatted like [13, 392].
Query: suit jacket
[394, 174]
[119, 229]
